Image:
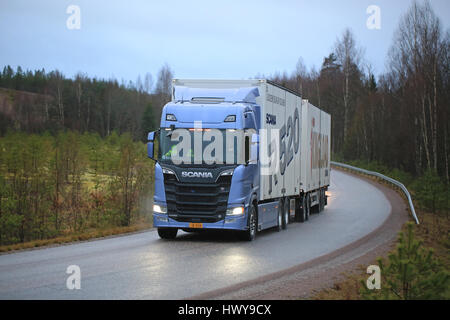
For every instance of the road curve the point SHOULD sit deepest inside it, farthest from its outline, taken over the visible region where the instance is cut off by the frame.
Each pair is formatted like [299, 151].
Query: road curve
[141, 266]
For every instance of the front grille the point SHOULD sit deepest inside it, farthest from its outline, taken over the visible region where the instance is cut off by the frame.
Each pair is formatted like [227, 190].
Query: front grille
[197, 202]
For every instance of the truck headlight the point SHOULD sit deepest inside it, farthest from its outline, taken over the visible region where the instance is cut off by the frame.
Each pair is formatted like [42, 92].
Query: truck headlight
[230, 118]
[238, 211]
[227, 172]
[159, 209]
[168, 171]
[170, 117]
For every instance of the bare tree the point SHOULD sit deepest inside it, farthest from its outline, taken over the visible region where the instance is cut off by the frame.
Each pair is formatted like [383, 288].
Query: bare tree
[57, 80]
[349, 57]
[148, 83]
[139, 85]
[417, 58]
[164, 82]
[163, 87]
[79, 79]
[300, 74]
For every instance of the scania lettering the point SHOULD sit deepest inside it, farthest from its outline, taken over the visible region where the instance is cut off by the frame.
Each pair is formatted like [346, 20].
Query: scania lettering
[196, 174]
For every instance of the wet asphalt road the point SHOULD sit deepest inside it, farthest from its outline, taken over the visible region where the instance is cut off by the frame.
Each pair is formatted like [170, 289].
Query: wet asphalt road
[141, 266]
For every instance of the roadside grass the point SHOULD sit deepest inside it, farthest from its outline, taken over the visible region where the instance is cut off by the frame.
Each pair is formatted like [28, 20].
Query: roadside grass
[91, 182]
[87, 235]
[433, 231]
[348, 289]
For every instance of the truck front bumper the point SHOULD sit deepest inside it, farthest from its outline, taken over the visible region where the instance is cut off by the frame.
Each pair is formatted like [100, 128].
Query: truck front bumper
[229, 223]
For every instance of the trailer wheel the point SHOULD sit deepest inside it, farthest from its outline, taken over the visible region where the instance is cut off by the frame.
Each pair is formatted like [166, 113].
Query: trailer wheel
[167, 233]
[318, 207]
[298, 210]
[315, 208]
[307, 207]
[250, 233]
[280, 215]
[322, 199]
[301, 212]
[286, 213]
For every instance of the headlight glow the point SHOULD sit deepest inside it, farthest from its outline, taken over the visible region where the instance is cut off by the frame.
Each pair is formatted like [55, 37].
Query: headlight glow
[159, 209]
[227, 172]
[235, 211]
[170, 117]
[168, 171]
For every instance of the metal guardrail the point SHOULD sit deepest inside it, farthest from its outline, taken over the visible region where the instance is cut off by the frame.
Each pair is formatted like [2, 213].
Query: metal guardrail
[382, 176]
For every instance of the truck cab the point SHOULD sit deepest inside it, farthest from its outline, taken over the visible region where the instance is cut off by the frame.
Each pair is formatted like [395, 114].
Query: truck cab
[197, 187]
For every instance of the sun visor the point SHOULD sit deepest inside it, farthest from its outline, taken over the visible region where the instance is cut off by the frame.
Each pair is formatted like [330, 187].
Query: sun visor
[202, 95]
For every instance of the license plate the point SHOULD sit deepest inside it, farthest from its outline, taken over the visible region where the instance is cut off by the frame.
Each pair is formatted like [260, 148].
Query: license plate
[195, 225]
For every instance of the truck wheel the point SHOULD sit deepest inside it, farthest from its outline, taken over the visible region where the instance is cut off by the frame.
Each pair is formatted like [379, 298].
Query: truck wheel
[323, 199]
[317, 207]
[301, 215]
[167, 233]
[308, 207]
[298, 210]
[286, 213]
[250, 233]
[280, 216]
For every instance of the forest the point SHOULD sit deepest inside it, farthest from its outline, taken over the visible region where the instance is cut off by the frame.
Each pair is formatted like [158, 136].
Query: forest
[38, 101]
[72, 152]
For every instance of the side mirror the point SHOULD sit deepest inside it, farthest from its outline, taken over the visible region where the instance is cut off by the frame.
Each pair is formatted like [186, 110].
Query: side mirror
[251, 149]
[254, 149]
[150, 150]
[150, 145]
[247, 149]
[151, 136]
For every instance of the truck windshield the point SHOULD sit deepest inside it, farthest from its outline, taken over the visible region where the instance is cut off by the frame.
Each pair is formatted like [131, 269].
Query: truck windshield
[201, 146]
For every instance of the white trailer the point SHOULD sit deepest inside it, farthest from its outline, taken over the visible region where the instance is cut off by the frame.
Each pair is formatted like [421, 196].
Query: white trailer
[302, 143]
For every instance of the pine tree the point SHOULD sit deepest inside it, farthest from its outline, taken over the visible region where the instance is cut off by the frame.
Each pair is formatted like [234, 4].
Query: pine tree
[412, 273]
[430, 191]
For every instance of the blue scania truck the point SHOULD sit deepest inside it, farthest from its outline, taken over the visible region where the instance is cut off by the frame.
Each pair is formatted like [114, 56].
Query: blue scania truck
[243, 155]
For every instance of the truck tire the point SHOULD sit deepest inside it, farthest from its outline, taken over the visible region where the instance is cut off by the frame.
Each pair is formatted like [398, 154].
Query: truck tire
[280, 216]
[167, 233]
[318, 207]
[307, 207]
[302, 214]
[298, 210]
[315, 208]
[286, 213]
[252, 223]
[322, 200]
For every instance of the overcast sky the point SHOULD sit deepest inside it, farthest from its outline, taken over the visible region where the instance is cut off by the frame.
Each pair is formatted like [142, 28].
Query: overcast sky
[198, 39]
